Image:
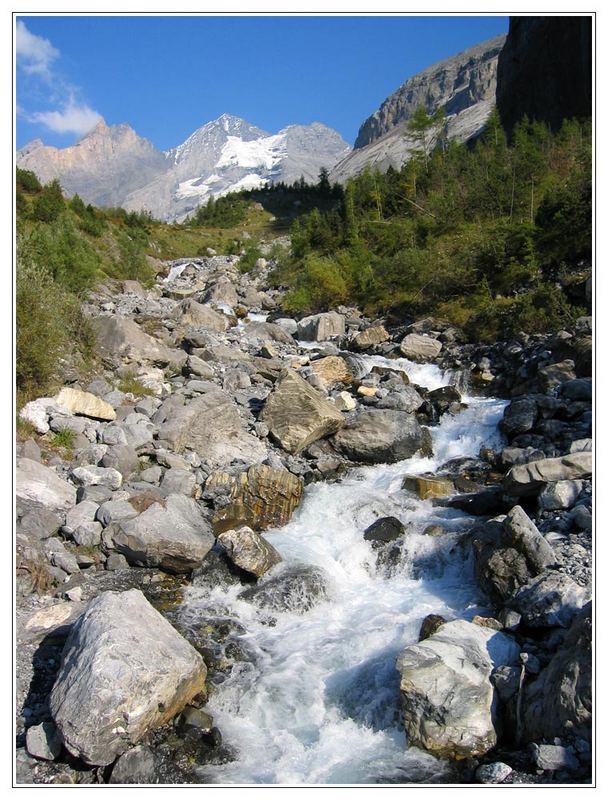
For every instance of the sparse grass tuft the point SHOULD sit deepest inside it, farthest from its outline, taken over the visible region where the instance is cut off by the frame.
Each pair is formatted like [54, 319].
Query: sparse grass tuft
[130, 384]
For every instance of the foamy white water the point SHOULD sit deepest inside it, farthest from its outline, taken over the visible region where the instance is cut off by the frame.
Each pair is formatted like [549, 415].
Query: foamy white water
[321, 702]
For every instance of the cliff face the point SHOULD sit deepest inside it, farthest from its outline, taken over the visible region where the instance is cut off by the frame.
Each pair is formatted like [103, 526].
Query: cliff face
[457, 83]
[544, 70]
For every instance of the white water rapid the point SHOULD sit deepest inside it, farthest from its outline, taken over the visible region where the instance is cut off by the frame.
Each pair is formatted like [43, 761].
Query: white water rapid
[320, 704]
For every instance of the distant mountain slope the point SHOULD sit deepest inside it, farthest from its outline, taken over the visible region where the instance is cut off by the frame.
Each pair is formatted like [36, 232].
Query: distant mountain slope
[455, 83]
[103, 167]
[114, 166]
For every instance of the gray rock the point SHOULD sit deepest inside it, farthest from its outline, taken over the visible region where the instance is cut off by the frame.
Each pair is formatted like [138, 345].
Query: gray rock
[581, 445]
[121, 457]
[520, 533]
[174, 536]
[288, 325]
[249, 551]
[113, 434]
[507, 681]
[297, 415]
[196, 719]
[42, 741]
[528, 479]
[420, 348]
[552, 599]
[40, 486]
[136, 766]
[80, 514]
[211, 426]
[96, 494]
[125, 671]
[319, 327]
[550, 757]
[519, 416]
[196, 366]
[446, 692]
[115, 562]
[40, 522]
[97, 476]
[582, 517]
[558, 495]
[60, 557]
[124, 340]
[178, 481]
[73, 424]
[195, 315]
[493, 773]
[29, 449]
[379, 436]
[151, 475]
[115, 511]
[88, 534]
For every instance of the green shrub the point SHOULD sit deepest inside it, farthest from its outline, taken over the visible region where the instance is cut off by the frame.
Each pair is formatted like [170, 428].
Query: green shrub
[27, 181]
[49, 203]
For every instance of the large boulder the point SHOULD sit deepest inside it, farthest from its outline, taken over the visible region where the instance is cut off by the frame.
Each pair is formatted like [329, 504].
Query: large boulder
[261, 497]
[380, 436]
[420, 348]
[296, 589]
[266, 332]
[40, 486]
[210, 425]
[196, 315]
[125, 671]
[370, 337]
[249, 551]
[222, 292]
[560, 700]
[447, 696]
[519, 416]
[123, 339]
[297, 415]
[85, 403]
[519, 532]
[319, 327]
[172, 535]
[530, 478]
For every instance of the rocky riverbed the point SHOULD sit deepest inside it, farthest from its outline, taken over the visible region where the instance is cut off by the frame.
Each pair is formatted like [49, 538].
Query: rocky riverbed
[323, 550]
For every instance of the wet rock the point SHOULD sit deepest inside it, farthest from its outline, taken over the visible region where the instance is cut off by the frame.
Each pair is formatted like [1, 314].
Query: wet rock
[319, 327]
[426, 487]
[136, 766]
[385, 529]
[174, 536]
[195, 719]
[249, 551]
[519, 416]
[40, 486]
[552, 599]
[420, 348]
[430, 625]
[520, 533]
[85, 403]
[297, 415]
[377, 436]
[125, 671]
[262, 497]
[296, 589]
[446, 692]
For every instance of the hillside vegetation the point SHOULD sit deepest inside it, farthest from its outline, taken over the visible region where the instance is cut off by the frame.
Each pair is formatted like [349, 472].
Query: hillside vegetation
[496, 238]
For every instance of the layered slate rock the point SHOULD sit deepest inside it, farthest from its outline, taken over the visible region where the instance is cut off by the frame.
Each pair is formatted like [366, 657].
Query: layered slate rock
[38, 485]
[262, 497]
[210, 425]
[380, 436]
[172, 535]
[319, 327]
[85, 403]
[446, 693]
[560, 700]
[249, 551]
[297, 415]
[529, 479]
[125, 671]
[420, 348]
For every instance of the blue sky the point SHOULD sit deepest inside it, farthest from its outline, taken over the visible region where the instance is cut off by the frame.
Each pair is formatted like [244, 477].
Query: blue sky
[167, 76]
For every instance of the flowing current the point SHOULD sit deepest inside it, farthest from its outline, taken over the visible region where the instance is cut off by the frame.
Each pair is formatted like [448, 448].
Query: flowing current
[319, 703]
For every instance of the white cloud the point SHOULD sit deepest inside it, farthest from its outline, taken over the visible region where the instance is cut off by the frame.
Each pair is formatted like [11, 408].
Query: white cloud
[72, 118]
[34, 53]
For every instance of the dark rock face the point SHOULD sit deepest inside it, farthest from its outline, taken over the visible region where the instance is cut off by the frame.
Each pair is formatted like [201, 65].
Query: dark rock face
[544, 70]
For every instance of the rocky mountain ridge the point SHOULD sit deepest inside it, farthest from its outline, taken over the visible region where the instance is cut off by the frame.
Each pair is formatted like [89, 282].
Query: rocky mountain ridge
[113, 166]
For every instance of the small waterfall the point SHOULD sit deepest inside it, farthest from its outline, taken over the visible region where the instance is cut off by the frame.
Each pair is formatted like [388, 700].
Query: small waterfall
[319, 703]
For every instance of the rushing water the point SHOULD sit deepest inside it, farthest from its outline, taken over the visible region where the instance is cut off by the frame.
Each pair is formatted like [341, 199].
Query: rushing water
[320, 703]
